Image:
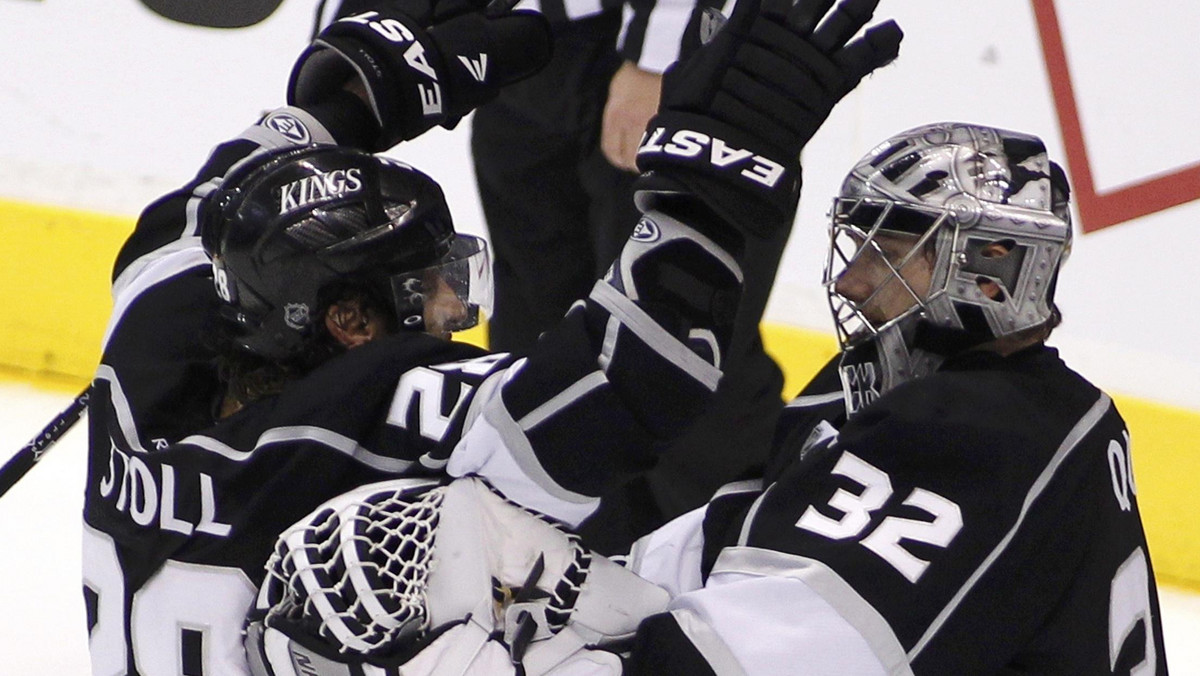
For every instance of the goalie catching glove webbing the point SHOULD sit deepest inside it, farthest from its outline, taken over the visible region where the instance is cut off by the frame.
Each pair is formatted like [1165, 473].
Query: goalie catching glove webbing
[422, 64]
[736, 114]
[413, 577]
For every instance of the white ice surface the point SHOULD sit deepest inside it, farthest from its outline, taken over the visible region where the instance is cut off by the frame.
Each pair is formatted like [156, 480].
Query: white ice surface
[42, 621]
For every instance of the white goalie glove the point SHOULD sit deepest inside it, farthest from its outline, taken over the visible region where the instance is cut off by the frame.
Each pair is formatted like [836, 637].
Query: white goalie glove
[411, 577]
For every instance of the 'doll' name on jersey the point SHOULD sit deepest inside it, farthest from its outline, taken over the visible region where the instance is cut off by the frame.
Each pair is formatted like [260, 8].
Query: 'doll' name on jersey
[309, 189]
[689, 143]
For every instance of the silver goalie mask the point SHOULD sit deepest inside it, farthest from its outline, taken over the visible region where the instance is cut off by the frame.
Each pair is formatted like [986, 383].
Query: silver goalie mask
[985, 208]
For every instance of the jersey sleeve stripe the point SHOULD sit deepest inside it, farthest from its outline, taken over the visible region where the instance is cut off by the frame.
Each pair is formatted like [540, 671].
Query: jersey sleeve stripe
[120, 404]
[497, 448]
[748, 520]
[743, 486]
[828, 585]
[174, 259]
[612, 329]
[328, 438]
[804, 401]
[1069, 443]
[488, 390]
[654, 336]
[558, 402]
[708, 643]
[191, 210]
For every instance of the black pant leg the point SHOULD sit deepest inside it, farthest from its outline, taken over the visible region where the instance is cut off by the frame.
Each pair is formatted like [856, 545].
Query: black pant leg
[546, 199]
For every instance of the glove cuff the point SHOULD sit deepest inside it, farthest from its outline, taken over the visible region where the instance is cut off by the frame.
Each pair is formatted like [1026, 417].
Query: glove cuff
[746, 181]
[348, 119]
[398, 73]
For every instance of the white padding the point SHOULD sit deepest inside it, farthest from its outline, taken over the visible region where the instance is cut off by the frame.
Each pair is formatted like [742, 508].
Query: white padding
[513, 538]
[465, 649]
[459, 578]
[613, 602]
[565, 655]
[773, 625]
[496, 448]
[670, 556]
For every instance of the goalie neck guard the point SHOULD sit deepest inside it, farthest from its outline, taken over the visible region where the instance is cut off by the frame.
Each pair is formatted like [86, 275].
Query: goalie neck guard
[287, 225]
[960, 193]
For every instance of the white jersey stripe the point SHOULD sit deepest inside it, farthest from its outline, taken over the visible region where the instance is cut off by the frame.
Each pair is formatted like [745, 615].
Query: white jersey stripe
[166, 262]
[1077, 433]
[574, 392]
[708, 643]
[121, 407]
[829, 586]
[804, 401]
[654, 336]
[328, 438]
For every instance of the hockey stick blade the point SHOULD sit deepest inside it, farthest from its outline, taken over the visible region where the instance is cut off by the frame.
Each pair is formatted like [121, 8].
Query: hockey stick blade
[29, 455]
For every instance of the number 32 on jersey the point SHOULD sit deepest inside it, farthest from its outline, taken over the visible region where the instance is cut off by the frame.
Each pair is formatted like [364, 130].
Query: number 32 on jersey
[884, 540]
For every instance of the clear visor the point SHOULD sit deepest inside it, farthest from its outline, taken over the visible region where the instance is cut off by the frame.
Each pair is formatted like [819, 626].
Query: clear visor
[871, 243]
[450, 295]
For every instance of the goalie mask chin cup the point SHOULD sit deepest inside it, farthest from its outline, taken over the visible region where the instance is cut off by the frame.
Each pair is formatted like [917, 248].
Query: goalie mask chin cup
[982, 205]
[289, 224]
[872, 367]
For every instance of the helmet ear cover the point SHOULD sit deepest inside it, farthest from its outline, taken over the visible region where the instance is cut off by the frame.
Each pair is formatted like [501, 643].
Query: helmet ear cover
[288, 229]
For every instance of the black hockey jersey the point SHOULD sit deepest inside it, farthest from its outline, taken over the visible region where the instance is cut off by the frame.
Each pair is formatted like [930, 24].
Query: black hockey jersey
[982, 520]
[182, 508]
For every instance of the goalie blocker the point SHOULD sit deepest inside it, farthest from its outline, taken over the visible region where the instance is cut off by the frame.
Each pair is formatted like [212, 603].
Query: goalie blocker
[409, 576]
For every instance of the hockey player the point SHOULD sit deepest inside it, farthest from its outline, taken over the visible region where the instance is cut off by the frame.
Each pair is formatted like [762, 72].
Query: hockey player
[269, 344]
[236, 390]
[946, 496]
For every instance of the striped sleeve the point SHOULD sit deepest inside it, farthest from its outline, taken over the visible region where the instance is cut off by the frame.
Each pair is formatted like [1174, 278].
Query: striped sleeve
[628, 368]
[171, 224]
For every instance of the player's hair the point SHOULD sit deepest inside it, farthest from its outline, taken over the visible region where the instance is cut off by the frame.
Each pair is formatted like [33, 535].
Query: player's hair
[248, 377]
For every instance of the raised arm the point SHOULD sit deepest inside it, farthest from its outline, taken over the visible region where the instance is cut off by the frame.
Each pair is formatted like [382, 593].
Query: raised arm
[636, 361]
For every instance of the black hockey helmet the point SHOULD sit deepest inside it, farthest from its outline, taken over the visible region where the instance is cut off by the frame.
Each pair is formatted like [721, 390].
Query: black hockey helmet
[287, 224]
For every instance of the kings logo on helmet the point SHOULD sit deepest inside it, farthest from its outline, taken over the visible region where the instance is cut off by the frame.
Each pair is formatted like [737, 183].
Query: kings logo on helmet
[309, 189]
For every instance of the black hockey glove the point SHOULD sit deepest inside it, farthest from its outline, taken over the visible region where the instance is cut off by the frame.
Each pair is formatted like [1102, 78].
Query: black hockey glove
[736, 114]
[422, 63]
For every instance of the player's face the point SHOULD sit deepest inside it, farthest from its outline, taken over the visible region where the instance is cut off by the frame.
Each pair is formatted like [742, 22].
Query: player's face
[872, 283]
[443, 308]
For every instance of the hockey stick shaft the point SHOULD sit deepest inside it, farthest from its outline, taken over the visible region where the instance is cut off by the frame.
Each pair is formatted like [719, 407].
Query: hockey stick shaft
[29, 455]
